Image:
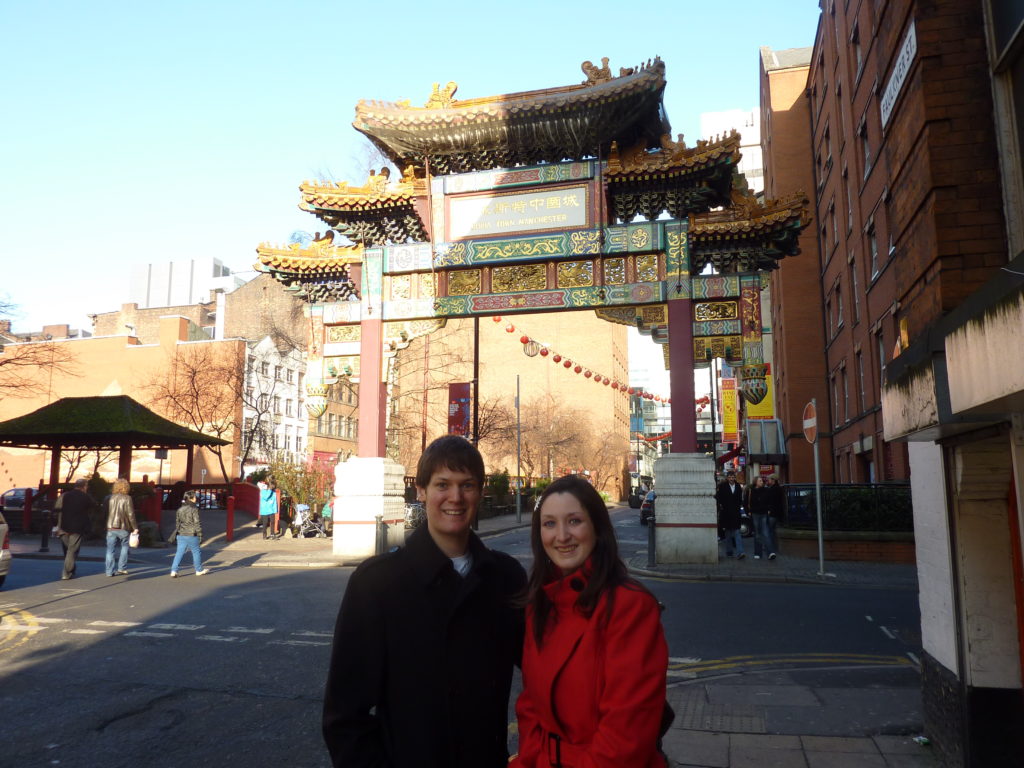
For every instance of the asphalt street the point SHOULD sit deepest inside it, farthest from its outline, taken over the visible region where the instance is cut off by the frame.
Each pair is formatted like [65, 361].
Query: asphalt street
[146, 670]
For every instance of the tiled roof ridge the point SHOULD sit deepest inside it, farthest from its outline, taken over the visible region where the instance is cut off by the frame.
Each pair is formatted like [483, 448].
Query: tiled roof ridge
[672, 155]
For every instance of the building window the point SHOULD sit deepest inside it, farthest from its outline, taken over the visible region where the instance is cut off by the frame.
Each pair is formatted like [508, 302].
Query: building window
[846, 396]
[854, 290]
[277, 405]
[839, 305]
[860, 382]
[862, 132]
[835, 225]
[828, 314]
[880, 346]
[835, 401]
[289, 406]
[289, 375]
[298, 444]
[276, 441]
[320, 424]
[873, 250]
[277, 372]
[264, 403]
[287, 441]
[849, 208]
[265, 368]
[858, 52]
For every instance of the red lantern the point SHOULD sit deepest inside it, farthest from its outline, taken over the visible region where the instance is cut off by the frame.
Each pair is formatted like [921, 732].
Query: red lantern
[578, 369]
[544, 352]
[587, 375]
[670, 401]
[557, 358]
[615, 385]
[496, 318]
[631, 391]
[567, 363]
[524, 339]
[510, 328]
[606, 381]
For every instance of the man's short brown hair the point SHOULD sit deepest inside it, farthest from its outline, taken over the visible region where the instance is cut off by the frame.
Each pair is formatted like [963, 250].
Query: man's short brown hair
[450, 452]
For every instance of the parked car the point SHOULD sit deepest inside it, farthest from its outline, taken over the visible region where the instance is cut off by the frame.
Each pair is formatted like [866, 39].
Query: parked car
[647, 507]
[12, 506]
[5, 549]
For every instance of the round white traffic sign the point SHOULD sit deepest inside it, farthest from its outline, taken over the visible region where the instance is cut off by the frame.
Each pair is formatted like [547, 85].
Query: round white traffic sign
[810, 420]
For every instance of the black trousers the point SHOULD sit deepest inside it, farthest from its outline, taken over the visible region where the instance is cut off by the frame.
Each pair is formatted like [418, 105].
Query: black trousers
[71, 542]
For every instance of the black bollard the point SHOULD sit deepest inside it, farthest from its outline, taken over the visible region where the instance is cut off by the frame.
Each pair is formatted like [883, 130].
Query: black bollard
[44, 537]
[382, 536]
[651, 559]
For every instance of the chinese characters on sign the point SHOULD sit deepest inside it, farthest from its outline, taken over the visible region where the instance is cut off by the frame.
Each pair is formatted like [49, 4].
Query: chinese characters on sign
[483, 215]
[730, 415]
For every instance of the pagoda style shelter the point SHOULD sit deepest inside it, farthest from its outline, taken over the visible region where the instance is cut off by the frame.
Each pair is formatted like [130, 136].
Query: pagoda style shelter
[560, 199]
[105, 423]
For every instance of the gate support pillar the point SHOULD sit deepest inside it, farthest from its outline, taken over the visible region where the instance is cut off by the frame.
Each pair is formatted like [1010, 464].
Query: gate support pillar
[365, 488]
[686, 518]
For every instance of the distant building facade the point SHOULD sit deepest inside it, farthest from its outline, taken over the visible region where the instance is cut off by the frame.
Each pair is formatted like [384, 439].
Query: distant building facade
[179, 283]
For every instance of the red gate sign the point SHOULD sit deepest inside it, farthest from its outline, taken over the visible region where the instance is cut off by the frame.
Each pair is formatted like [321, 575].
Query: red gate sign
[810, 423]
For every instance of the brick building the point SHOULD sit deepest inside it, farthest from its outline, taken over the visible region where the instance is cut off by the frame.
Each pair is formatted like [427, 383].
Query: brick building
[796, 309]
[916, 113]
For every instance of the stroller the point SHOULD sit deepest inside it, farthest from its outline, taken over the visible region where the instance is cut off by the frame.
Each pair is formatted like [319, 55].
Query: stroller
[309, 523]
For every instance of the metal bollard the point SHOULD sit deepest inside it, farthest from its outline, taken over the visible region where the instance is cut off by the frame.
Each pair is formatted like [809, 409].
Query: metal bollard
[229, 535]
[651, 558]
[44, 537]
[382, 536]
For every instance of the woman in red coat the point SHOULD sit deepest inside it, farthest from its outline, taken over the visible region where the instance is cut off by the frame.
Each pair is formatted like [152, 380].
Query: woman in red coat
[594, 658]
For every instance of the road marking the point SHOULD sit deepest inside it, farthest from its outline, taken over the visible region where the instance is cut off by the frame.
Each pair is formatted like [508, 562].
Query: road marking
[253, 630]
[85, 631]
[740, 662]
[681, 675]
[148, 634]
[295, 642]
[183, 627]
[869, 618]
[26, 629]
[7, 606]
[886, 632]
[221, 638]
[913, 658]
[683, 659]
[115, 623]
[50, 619]
[308, 633]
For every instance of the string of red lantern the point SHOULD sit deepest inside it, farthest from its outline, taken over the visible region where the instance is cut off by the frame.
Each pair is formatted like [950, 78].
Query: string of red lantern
[700, 403]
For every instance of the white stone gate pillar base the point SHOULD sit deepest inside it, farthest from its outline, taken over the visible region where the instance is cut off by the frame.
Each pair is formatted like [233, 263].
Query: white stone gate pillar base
[363, 489]
[685, 512]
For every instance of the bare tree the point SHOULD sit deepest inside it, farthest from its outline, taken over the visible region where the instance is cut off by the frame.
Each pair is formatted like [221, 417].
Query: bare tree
[198, 388]
[27, 370]
[75, 458]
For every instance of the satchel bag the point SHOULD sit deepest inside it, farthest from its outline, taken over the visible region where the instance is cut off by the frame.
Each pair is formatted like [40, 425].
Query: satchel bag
[133, 539]
[173, 537]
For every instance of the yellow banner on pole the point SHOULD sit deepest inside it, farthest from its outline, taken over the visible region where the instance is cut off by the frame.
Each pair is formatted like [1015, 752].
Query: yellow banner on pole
[730, 415]
[766, 408]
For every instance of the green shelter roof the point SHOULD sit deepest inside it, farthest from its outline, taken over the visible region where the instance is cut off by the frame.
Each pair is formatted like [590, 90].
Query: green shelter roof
[98, 422]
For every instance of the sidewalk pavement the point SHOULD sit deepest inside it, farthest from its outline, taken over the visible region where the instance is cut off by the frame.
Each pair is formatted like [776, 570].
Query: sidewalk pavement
[780, 718]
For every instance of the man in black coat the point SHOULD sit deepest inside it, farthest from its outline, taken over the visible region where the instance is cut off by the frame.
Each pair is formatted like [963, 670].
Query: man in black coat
[427, 636]
[729, 497]
[73, 523]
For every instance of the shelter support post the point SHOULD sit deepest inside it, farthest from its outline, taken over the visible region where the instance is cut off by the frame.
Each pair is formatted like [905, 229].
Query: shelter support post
[54, 473]
[190, 460]
[124, 462]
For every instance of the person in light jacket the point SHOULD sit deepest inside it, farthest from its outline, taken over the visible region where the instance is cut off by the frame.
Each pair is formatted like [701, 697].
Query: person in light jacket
[189, 532]
[120, 522]
[594, 656]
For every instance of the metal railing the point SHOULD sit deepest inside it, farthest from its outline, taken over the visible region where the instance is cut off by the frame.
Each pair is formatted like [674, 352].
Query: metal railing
[851, 507]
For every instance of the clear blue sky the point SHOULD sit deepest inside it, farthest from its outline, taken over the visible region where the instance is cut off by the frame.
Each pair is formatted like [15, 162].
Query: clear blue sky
[144, 132]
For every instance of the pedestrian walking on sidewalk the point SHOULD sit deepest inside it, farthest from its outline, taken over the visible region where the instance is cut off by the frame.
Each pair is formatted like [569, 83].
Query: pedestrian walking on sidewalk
[594, 656]
[776, 497]
[729, 497]
[268, 507]
[73, 524]
[757, 506]
[188, 533]
[120, 524]
[427, 636]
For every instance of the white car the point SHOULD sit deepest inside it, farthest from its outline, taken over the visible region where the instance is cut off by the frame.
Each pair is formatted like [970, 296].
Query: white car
[5, 549]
